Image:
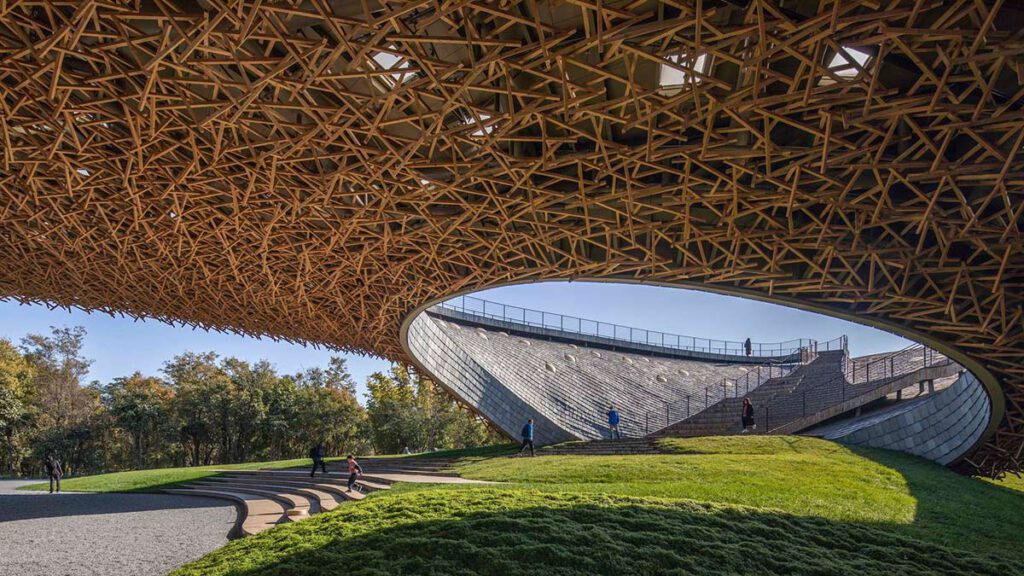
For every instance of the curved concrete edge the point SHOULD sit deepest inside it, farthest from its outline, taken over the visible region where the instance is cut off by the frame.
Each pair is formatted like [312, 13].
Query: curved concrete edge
[942, 427]
[441, 359]
[988, 381]
[247, 520]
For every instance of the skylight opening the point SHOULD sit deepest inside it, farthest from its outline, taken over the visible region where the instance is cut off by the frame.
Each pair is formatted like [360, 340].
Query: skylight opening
[672, 79]
[399, 66]
[846, 66]
[483, 128]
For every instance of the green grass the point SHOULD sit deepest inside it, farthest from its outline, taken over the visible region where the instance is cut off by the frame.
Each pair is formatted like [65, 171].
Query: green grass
[798, 475]
[726, 505]
[160, 478]
[157, 479]
[524, 532]
[461, 453]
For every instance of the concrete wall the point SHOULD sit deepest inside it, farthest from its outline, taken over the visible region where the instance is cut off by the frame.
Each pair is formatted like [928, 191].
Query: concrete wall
[941, 427]
[567, 387]
[456, 370]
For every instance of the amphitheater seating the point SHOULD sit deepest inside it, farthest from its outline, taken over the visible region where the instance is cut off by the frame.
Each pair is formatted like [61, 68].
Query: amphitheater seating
[265, 498]
[256, 513]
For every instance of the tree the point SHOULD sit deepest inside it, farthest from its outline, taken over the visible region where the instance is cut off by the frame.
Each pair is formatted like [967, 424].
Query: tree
[407, 409]
[59, 367]
[395, 422]
[329, 410]
[335, 376]
[200, 390]
[16, 377]
[141, 407]
[250, 387]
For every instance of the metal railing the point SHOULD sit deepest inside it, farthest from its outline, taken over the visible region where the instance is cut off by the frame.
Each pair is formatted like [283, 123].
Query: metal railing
[689, 405]
[857, 379]
[486, 309]
[811, 352]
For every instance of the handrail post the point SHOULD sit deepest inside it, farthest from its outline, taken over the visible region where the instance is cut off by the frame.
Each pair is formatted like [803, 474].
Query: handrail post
[687, 405]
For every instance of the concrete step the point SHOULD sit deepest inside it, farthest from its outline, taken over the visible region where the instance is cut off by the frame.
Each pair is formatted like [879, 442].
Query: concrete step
[326, 501]
[334, 486]
[256, 513]
[297, 506]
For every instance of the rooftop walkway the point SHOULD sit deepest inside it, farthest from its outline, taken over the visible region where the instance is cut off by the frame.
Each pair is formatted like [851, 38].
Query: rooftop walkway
[616, 337]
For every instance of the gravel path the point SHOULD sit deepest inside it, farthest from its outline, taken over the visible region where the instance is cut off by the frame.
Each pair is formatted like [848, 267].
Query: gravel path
[106, 534]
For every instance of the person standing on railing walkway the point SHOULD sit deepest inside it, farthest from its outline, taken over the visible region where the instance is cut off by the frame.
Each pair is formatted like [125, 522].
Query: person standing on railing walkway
[747, 416]
[748, 346]
[527, 434]
[613, 424]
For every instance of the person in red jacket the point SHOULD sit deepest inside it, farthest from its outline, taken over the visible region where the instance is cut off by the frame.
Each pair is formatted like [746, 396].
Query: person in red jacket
[354, 470]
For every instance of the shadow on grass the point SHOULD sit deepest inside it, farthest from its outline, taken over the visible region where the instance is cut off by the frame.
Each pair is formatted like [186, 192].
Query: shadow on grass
[956, 509]
[523, 533]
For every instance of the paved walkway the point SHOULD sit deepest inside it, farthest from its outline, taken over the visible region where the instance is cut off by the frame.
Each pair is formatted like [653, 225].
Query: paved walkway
[106, 534]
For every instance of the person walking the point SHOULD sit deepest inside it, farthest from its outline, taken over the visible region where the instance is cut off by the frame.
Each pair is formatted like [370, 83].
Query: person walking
[613, 424]
[354, 470]
[317, 454]
[53, 470]
[748, 346]
[527, 434]
[747, 416]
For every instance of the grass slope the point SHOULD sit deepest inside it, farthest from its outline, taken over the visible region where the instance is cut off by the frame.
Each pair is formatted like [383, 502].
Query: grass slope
[798, 475]
[523, 532]
[758, 505]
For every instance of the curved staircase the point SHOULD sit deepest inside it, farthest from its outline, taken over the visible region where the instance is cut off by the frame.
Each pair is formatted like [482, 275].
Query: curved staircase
[265, 498]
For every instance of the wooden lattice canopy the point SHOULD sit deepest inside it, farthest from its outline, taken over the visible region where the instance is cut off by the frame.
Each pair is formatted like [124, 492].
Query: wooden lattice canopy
[316, 169]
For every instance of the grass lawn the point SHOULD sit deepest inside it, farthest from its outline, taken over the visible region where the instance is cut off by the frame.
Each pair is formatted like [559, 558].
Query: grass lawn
[157, 479]
[152, 480]
[521, 531]
[797, 475]
[725, 505]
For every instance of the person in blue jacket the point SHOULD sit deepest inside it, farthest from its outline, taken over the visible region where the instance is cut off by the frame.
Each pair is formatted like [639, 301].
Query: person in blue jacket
[613, 423]
[527, 434]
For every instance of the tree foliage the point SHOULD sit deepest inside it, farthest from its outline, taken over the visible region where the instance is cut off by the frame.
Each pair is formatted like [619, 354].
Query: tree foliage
[203, 409]
[409, 410]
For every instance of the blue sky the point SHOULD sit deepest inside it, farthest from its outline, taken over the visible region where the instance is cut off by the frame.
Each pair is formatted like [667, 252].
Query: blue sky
[119, 346]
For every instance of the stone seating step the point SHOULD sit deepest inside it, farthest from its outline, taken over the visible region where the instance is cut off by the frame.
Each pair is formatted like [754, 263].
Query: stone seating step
[362, 481]
[371, 481]
[256, 513]
[297, 506]
[330, 485]
[325, 500]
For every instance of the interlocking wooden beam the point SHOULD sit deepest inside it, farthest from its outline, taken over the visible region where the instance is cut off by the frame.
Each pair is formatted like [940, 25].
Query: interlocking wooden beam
[314, 170]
